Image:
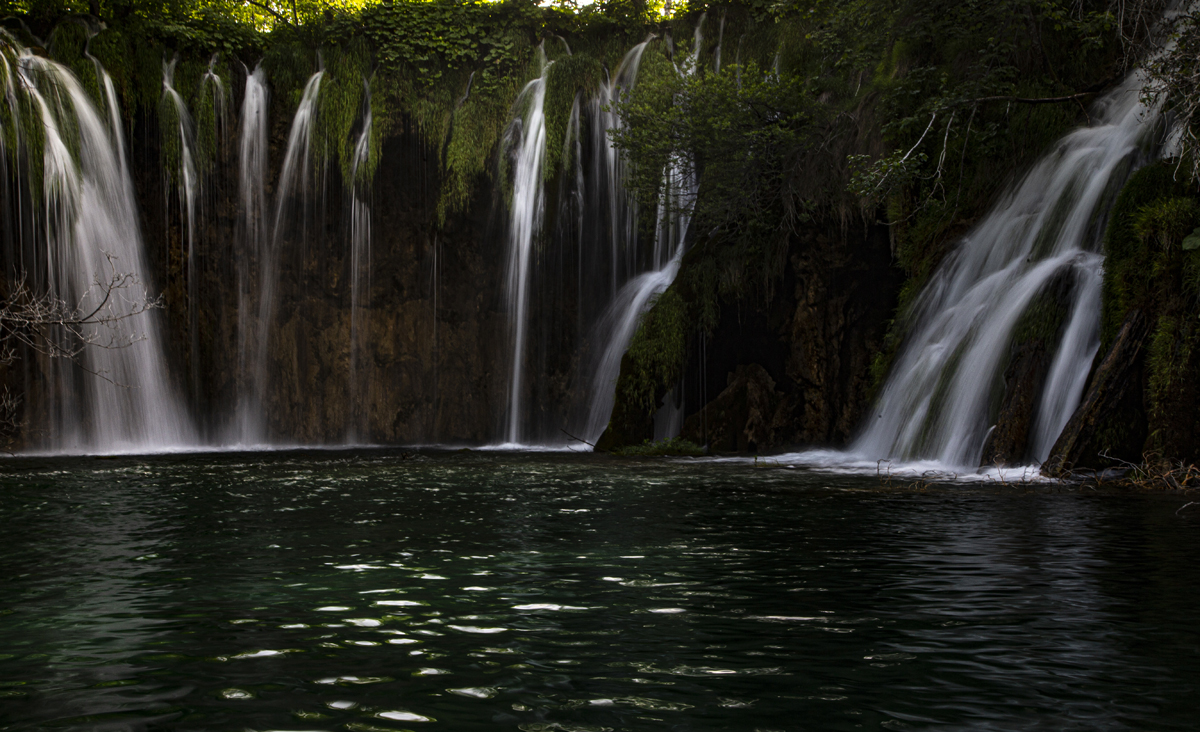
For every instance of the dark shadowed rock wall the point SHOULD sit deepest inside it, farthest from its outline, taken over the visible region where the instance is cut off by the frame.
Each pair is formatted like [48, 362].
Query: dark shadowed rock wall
[794, 371]
[434, 360]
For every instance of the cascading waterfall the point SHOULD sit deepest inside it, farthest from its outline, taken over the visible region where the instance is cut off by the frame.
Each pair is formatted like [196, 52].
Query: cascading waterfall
[360, 269]
[292, 190]
[616, 328]
[622, 210]
[937, 403]
[252, 237]
[596, 237]
[525, 224]
[116, 395]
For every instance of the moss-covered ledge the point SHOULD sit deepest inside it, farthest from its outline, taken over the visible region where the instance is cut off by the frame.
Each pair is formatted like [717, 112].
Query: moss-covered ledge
[1151, 272]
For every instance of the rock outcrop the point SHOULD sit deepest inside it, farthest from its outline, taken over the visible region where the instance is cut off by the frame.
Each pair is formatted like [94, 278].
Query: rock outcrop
[1113, 379]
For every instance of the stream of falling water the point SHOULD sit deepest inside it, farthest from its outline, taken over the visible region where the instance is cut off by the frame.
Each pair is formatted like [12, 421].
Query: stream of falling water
[291, 210]
[525, 223]
[617, 326]
[360, 276]
[249, 427]
[938, 403]
[116, 396]
[187, 189]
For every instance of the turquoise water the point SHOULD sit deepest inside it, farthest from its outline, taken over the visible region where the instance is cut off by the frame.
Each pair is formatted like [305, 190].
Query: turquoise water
[480, 591]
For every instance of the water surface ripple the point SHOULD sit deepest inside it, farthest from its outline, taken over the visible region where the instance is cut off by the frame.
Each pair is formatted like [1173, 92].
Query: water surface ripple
[380, 590]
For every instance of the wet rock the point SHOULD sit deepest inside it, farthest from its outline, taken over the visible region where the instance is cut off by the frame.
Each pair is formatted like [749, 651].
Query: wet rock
[741, 418]
[1116, 376]
[1008, 443]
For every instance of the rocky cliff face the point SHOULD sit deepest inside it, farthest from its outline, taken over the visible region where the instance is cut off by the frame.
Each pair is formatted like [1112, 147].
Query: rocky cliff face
[795, 371]
[431, 367]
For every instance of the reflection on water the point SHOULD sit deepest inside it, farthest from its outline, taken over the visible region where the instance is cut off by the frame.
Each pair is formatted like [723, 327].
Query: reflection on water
[385, 591]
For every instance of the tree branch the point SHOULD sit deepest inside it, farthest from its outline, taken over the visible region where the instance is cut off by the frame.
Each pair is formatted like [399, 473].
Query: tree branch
[1031, 100]
[272, 11]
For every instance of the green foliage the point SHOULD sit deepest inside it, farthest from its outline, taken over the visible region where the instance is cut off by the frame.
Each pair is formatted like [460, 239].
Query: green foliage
[1148, 269]
[340, 104]
[674, 447]
[432, 39]
[1151, 211]
[656, 354]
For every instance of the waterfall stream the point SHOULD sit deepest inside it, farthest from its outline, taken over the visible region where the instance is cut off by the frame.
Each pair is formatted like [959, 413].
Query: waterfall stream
[939, 400]
[619, 323]
[292, 204]
[115, 395]
[187, 187]
[360, 274]
[580, 289]
[252, 236]
[524, 225]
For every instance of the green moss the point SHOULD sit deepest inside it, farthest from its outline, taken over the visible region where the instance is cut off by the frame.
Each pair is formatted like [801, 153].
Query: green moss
[340, 104]
[1149, 206]
[1170, 363]
[288, 63]
[1147, 269]
[68, 45]
[657, 352]
[1044, 317]
[24, 132]
[478, 125]
[212, 115]
[567, 77]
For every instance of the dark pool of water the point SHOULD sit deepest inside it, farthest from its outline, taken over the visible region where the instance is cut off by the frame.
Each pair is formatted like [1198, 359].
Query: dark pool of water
[466, 591]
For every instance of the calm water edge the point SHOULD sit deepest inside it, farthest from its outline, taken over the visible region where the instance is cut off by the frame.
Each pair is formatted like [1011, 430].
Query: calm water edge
[381, 590]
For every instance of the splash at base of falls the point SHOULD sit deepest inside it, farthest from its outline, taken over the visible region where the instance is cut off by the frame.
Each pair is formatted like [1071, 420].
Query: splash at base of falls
[941, 399]
[837, 462]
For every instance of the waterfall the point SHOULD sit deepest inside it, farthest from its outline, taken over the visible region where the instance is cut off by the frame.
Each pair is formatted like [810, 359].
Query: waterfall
[252, 197]
[938, 402]
[360, 271]
[187, 189]
[115, 395]
[720, 42]
[211, 78]
[291, 190]
[622, 211]
[616, 328]
[524, 225]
